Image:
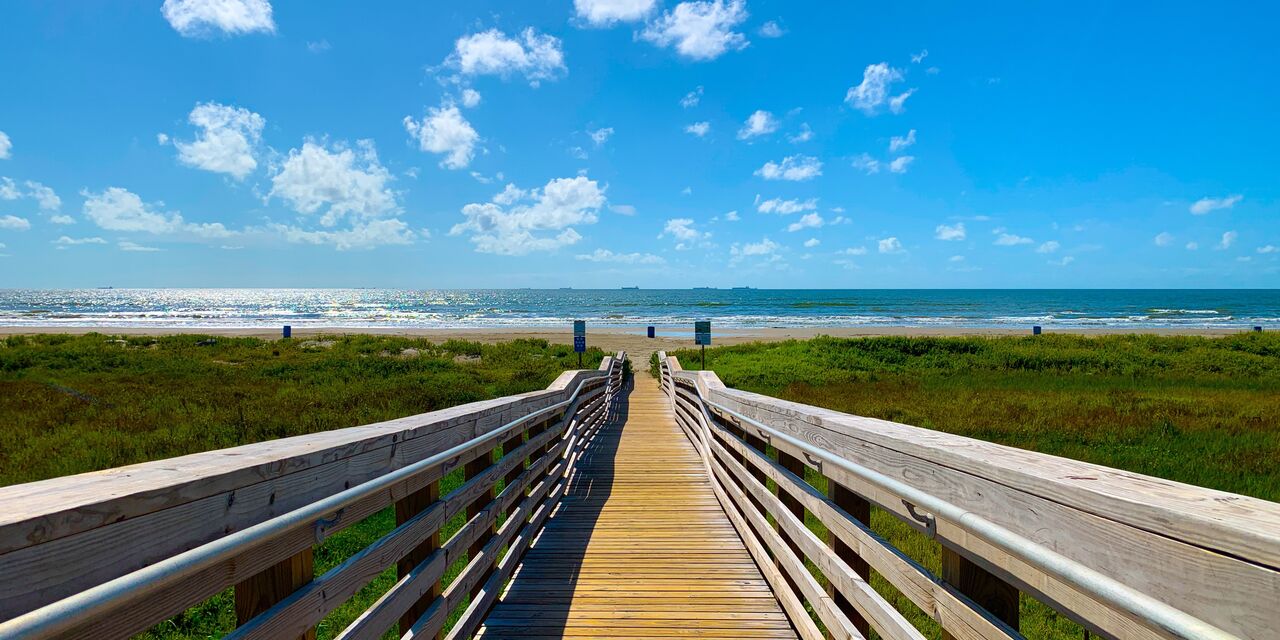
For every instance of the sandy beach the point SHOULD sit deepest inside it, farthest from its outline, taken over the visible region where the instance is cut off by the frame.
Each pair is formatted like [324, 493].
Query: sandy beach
[633, 340]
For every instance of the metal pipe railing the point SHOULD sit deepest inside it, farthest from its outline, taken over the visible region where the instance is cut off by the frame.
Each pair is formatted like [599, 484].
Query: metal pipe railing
[1096, 585]
[64, 615]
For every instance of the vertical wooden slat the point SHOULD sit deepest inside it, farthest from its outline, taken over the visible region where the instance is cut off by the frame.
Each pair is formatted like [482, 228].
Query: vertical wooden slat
[406, 508]
[989, 592]
[860, 509]
[794, 465]
[261, 591]
[471, 470]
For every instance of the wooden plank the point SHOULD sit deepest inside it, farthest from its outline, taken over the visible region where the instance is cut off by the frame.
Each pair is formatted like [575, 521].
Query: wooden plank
[998, 597]
[262, 591]
[860, 508]
[407, 508]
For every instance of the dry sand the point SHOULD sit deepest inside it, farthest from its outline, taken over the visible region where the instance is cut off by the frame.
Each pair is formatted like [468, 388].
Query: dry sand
[632, 340]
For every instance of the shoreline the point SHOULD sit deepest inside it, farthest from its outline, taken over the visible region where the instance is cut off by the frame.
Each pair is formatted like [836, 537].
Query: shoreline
[633, 340]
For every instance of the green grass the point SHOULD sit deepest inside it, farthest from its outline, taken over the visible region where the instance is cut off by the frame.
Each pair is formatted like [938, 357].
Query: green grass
[1198, 410]
[76, 404]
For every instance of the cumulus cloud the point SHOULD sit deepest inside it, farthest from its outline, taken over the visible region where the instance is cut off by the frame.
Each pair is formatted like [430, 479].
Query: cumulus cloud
[807, 221]
[534, 55]
[699, 129]
[952, 232]
[128, 245]
[1207, 205]
[117, 209]
[898, 143]
[1066, 260]
[1008, 239]
[601, 135]
[873, 92]
[9, 189]
[46, 198]
[14, 223]
[805, 134]
[1271, 248]
[866, 164]
[766, 249]
[919, 57]
[855, 251]
[891, 245]
[692, 98]
[226, 142]
[446, 132]
[901, 163]
[732, 216]
[897, 104]
[1164, 239]
[470, 98]
[337, 182]
[700, 30]
[60, 219]
[605, 255]
[67, 241]
[797, 168]
[623, 209]
[361, 235]
[195, 18]
[6, 146]
[1228, 239]
[1192, 246]
[518, 222]
[684, 232]
[785, 207]
[605, 13]
[758, 124]
[771, 29]
[1048, 247]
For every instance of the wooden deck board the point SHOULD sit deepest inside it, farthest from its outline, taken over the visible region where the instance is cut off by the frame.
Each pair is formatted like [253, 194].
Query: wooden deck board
[639, 547]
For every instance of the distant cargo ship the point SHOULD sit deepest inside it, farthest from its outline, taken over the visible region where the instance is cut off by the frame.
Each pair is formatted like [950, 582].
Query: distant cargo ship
[630, 288]
[743, 288]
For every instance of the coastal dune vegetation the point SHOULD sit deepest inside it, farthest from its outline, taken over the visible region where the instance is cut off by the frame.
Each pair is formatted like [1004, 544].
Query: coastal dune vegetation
[1205, 411]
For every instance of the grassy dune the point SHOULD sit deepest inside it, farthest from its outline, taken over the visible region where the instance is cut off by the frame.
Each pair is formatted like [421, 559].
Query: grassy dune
[76, 404]
[1205, 411]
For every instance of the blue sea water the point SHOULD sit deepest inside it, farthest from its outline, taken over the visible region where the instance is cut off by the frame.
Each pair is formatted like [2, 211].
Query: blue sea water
[391, 308]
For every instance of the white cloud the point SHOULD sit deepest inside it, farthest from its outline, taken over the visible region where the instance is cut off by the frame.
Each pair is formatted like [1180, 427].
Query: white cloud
[732, 216]
[162, 139]
[891, 245]
[811, 243]
[953, 232]
[126, 245]
[866, 164]
[14, 223]
[601, 135]
[685, 233]
[1164, 239]
[919, 57]
[544, 224]
[699, 129]
[901, 163]
[1066, 260]
[692, 98]
[766, 248]
[1271, 248]
[795, 168]
[470, 98]
[44, 196]
[341, 182]
[807, 221]
[1229, 238]
[1009, 240]
[117, 209]
[1206, 205]
[758, 124]
[785, 207]
[62, 220]
[873, 91]
[623, 209]
[319, 46]
[898, 143]
[227, 139]
[897, 104]
[510, 194]
[605, 13]
[956, 259]
[445, 131]
[771, 29]
[536, 56]
[605, 255]
[1192, 246]
[805, 134]
[700, 30]
[9, 189]
[202, 17]
[6, 146]
[361, 235]
[67, 241]
[1048, 247]
[578, 152]
[855, 251]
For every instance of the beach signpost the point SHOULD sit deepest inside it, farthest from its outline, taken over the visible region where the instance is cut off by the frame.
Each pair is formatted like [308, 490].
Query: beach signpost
[702, 336]
[580, 339]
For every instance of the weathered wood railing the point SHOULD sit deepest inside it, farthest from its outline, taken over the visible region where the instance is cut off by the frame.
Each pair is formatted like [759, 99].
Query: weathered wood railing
[109, 554]
[1124, 555]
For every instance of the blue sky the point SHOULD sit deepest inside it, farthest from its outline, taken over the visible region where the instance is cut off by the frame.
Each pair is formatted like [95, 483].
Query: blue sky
[639, 142]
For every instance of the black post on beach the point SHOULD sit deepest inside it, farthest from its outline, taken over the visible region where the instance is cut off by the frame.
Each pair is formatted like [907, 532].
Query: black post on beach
[702, 336]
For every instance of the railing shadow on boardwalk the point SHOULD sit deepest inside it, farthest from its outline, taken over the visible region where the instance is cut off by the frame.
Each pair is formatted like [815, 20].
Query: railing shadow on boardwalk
[542, 590]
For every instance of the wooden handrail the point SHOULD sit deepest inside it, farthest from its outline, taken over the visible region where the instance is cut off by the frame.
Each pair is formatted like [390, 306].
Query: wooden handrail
[56, 536]
[1205, 556]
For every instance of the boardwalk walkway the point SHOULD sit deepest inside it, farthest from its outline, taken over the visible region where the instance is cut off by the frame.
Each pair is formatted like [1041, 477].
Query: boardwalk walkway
[639, 548]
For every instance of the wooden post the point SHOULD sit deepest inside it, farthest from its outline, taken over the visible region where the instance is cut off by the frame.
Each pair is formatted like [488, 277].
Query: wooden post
[794, 465]
[989, 592]
[261, 591]
[471, 470]
[757, 443]
[860, 509]
[406, 508]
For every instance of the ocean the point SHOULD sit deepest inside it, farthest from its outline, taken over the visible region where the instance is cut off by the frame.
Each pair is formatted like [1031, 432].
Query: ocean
[392, 308]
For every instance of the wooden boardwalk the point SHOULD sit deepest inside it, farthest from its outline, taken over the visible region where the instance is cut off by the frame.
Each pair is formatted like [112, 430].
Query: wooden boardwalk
[640, 547]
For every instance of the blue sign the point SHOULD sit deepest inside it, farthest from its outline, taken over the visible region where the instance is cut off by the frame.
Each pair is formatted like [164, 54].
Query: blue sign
[702, 332]
[580, 344]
